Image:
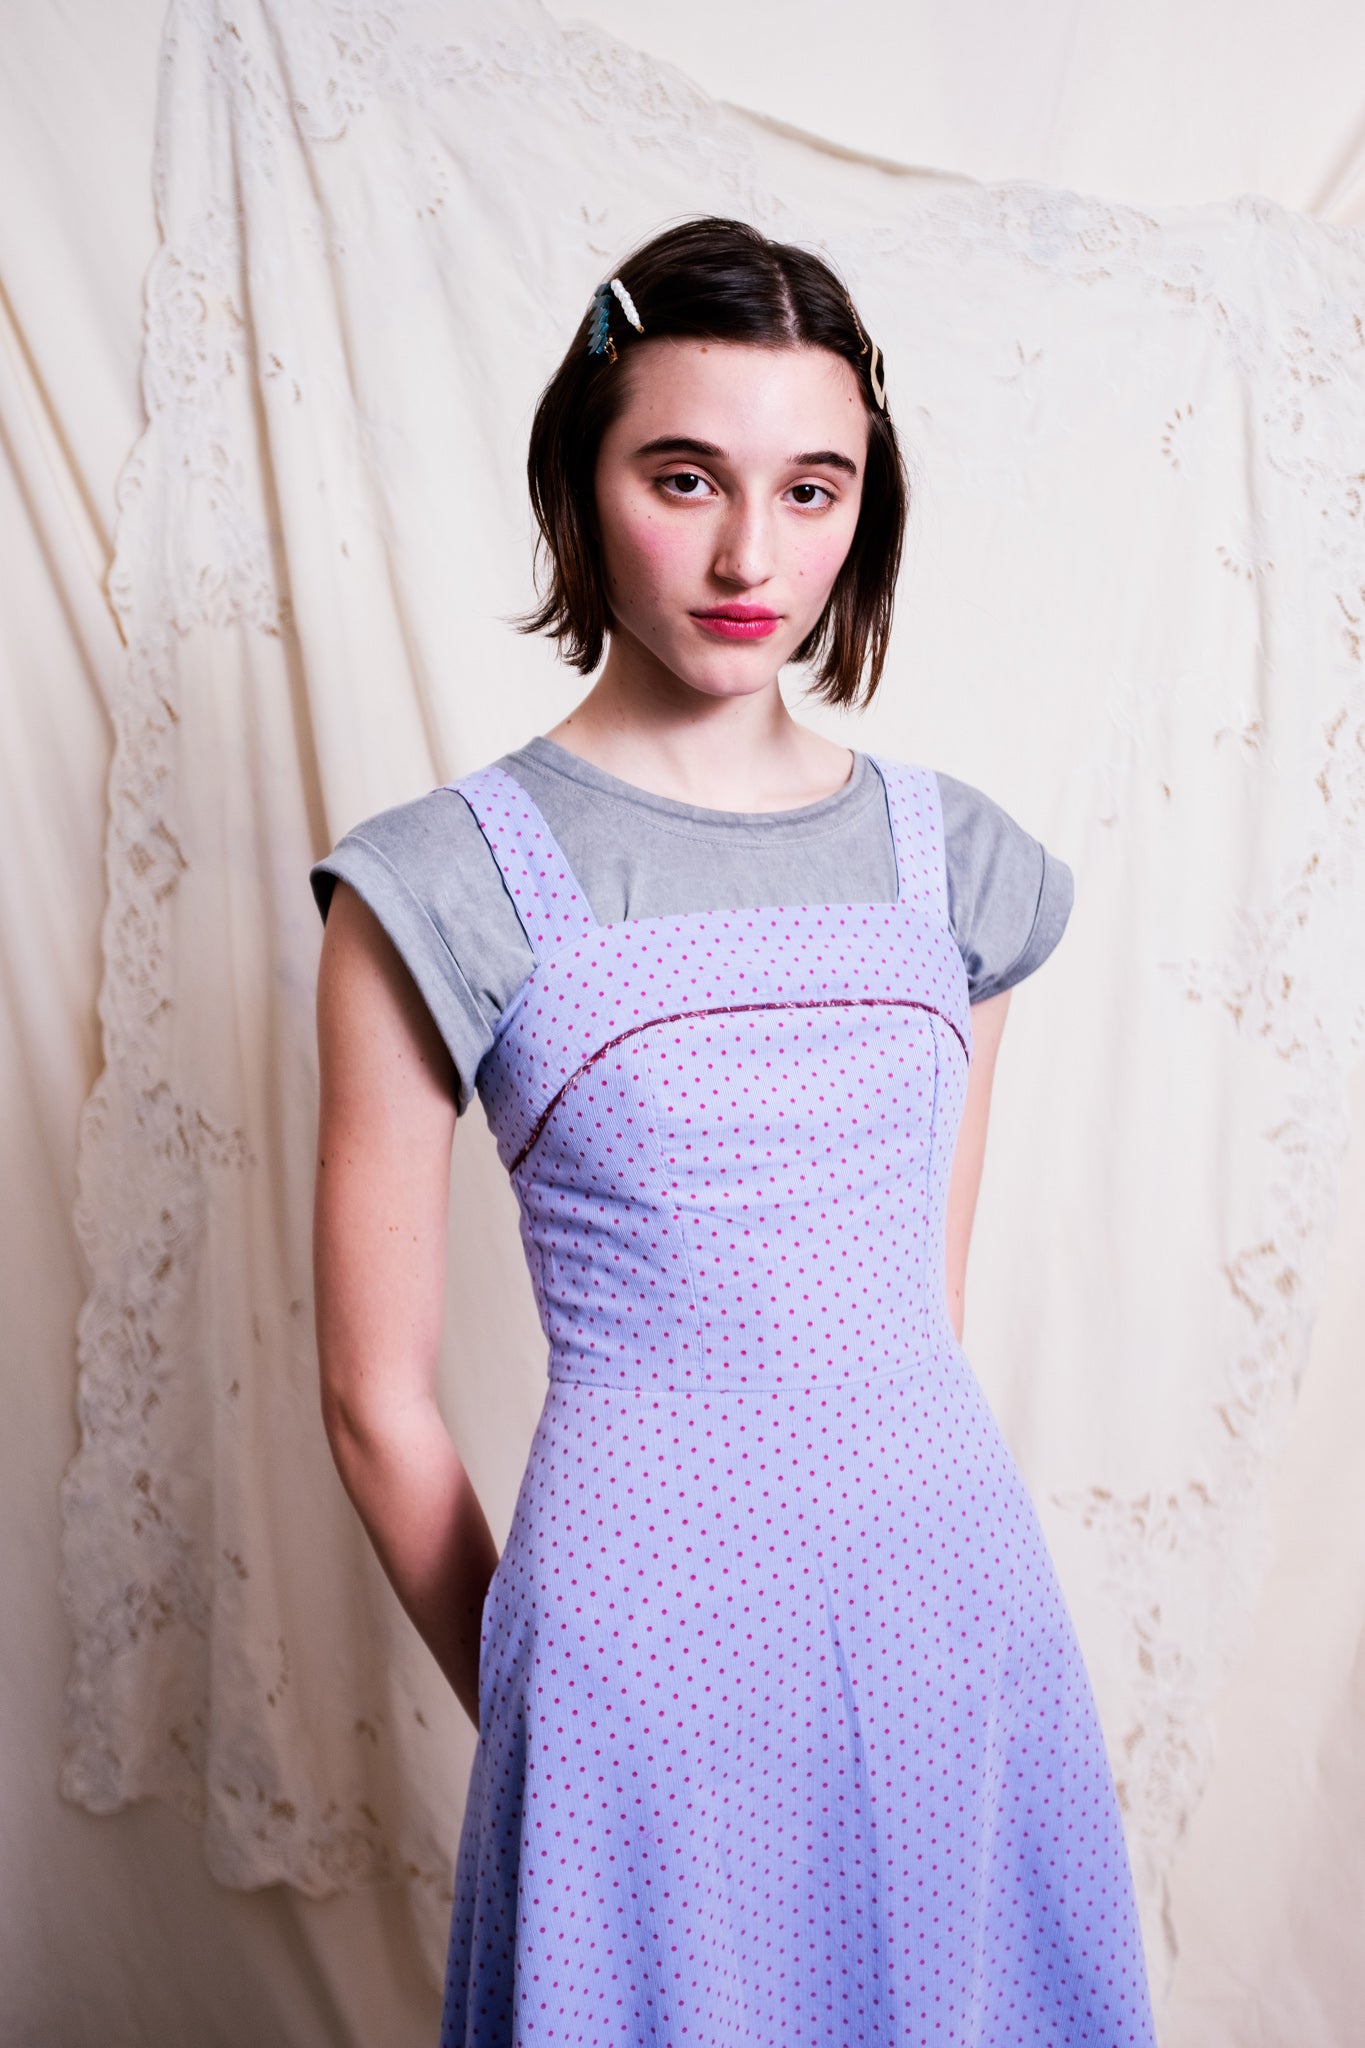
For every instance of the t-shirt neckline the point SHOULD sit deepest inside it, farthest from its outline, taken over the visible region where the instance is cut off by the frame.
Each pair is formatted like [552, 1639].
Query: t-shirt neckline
[548, 753]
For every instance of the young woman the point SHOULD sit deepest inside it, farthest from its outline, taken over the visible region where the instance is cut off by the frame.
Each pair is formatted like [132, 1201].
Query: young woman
[784, 1736]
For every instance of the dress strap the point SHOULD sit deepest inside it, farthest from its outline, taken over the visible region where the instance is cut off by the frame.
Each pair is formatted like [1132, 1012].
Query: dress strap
[916, 811]
[543, 887]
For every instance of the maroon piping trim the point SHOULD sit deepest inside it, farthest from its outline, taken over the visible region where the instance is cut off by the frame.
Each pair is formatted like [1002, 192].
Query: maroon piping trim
[728, 1010]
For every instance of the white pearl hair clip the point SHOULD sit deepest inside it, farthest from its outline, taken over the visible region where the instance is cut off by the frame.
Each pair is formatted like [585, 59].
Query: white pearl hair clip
[627, 305]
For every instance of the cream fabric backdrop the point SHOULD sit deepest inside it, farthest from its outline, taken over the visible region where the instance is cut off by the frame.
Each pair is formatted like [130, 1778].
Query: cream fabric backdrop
[1159, 105]
[1151, 544]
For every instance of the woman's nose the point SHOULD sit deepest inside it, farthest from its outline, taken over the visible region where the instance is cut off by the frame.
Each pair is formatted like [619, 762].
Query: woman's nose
[744, 556]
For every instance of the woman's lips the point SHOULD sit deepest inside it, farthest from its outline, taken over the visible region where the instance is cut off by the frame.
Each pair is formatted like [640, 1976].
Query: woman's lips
[739, 622]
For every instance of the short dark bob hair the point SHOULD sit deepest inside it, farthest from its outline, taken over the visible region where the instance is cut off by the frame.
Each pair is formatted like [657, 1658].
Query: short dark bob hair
[714, 280]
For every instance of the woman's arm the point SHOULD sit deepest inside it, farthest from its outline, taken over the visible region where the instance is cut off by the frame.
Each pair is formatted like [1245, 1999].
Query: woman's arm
[386, 1127]
[988, 1021]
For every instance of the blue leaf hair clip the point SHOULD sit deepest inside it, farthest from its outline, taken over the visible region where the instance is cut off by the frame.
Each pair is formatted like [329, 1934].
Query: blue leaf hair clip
[600, 341]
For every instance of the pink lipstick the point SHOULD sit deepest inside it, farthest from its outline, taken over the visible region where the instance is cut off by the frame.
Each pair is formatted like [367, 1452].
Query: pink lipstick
[738, 621]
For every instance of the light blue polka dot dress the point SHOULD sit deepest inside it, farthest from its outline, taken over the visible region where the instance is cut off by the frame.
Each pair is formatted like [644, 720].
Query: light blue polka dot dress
[785, 1736]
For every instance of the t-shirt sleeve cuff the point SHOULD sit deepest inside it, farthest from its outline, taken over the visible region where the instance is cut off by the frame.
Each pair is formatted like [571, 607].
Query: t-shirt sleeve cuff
[1056, 894]
[417, 939]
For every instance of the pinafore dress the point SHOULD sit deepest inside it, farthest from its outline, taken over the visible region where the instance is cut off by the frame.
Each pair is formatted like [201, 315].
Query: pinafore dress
[785, 1737]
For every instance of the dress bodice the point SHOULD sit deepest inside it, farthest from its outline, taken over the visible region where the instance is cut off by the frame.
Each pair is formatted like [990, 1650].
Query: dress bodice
[730, 1131]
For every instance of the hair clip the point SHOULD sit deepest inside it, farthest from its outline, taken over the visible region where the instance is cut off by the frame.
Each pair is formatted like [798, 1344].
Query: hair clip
[599, 339]
[874, 368]
[627, 305]
[600, 342]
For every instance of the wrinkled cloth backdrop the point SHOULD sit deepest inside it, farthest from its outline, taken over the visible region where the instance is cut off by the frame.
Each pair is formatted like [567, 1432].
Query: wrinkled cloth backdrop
[1132, 613]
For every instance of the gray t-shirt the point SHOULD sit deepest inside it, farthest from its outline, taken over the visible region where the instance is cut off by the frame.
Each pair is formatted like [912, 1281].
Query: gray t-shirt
[428, 874]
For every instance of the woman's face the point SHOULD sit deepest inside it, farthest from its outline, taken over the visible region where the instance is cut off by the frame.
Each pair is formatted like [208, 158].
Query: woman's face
[727, 496]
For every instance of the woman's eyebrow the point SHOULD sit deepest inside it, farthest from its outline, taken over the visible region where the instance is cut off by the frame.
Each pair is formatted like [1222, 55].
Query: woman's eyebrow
[826, 458]
[679, 444]
[682, 444]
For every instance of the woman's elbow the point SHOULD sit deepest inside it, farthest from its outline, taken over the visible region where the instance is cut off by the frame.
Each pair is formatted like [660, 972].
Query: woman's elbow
[357, 1422]
[367, 1417]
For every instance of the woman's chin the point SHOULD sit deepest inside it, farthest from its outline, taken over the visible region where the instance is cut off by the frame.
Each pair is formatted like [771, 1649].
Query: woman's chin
[733, 668]
[699, 662]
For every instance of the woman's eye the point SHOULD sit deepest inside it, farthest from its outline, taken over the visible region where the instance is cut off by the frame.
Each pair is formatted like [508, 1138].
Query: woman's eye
[685, 483]
[811, 494]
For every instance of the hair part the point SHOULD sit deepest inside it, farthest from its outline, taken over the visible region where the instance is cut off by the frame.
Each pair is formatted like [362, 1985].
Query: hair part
[717, 280]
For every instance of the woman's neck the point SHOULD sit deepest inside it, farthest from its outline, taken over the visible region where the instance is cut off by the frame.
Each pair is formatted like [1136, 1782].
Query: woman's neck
[740, 753]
